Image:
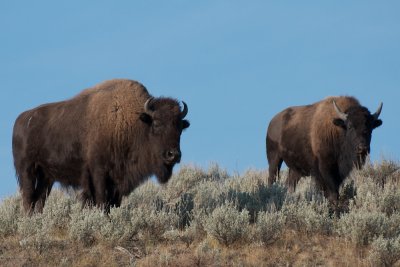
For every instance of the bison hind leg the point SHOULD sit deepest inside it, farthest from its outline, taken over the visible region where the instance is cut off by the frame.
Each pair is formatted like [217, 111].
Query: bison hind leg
[292, 180]
[35, 187]
[42, 194]
[275, 163]
[27, 187]
[274, 160]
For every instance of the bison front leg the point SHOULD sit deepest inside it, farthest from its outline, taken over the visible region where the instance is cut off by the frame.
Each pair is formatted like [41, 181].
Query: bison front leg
[328, 180]
[88, 191]
[115, 198]
[100, 188]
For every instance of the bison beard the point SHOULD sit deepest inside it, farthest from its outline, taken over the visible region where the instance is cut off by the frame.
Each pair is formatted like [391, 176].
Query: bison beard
[164, 173]
[106, 141]
[324, 140]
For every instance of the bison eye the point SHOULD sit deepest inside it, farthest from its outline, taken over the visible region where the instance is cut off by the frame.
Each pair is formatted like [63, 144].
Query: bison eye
[146, 118]
[340, 123]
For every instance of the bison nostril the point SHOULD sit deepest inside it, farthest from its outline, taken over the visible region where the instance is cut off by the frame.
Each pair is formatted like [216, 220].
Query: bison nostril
[173, 155]
[170, 154]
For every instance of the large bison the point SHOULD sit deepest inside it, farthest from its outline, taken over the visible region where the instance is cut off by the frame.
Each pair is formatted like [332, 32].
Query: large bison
[324, 140]
[106, 141]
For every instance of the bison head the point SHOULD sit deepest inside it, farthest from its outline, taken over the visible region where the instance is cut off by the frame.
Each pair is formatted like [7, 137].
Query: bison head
[166, 122]
[358, 123]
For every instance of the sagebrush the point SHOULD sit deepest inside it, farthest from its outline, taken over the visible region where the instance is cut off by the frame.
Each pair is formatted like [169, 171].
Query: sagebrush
[209, 213]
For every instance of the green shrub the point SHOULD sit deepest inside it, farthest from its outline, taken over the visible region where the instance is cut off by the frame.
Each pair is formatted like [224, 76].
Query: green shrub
[362, 227]
[205, 206]
[10, 210]
[308, 217]
[148, 195]
[385, 252]
[269, 227]
[56, 212]
[39, 241]
[380, 172]
[390, 200]
[208, 196]
[86, 224]
[227, 224]
[216, 173]
[187, 235]
[189, 177]
[30, 225]
[373, 197]
[183, 208]
[33, 234]
[392, 228]
[207, 254]
[153, 224]
[120, 227]
[261, 198]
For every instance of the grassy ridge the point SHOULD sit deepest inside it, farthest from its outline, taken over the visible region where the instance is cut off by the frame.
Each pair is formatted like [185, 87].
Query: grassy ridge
[208, 217]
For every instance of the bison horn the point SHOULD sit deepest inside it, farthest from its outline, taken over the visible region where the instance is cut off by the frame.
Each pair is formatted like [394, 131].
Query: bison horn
[341, 114]
[184, 111]
[378, 111]
[147, 104]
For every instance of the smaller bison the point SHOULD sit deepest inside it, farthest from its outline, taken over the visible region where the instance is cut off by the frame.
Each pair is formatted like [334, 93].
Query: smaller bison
[106, 141]
[324, 140]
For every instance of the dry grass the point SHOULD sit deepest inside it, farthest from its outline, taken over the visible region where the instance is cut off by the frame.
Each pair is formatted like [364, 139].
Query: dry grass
[293, 249]
[209, 218]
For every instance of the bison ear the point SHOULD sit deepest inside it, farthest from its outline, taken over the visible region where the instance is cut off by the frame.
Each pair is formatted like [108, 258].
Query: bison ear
[376, 123]
[340, 123]
[146, 118]
[185, 124]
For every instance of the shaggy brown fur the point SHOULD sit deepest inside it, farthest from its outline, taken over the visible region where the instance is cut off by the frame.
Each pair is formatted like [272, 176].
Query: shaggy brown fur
[103, 141]
[312, 140]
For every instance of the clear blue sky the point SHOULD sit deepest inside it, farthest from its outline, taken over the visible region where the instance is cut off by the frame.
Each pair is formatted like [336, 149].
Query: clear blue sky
[235, 63]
